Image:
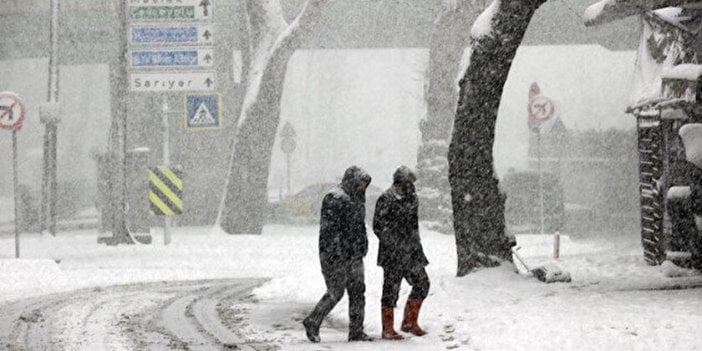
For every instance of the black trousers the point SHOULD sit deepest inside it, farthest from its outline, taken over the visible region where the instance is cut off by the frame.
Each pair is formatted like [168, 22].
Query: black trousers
[345, 277]
[392, 278]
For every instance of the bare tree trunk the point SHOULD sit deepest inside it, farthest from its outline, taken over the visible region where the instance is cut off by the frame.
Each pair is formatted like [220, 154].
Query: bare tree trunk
[447, 46]
[117, 157]
[478, 205]
[273, 42]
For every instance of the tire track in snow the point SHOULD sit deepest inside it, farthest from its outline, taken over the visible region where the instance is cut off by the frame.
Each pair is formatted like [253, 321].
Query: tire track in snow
[146, 316]
[196, 321]
[30, 323]
[206, 312]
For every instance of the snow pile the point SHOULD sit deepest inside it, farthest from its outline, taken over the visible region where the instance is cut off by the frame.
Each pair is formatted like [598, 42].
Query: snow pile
[691, 135]
[595, 11]
[672, 15]
[683, 71]
[678, 192]
[483, 24]
[669, 269]
[41, 274]
[551, 273]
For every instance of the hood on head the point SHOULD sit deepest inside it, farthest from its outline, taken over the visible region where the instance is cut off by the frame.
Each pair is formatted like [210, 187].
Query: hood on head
[353, 176]
[403, 175]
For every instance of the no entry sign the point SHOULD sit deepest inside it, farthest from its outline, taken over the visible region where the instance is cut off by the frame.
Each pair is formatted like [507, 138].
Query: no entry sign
[12, 111]
[540, 108]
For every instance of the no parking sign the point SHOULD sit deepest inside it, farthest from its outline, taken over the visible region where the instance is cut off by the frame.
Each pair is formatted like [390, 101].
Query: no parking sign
[12, 111]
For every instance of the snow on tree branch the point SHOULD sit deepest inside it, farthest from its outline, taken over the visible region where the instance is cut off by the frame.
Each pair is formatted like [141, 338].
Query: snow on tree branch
[611, 10]
[483, 24]
[276, 43]
[265, 21]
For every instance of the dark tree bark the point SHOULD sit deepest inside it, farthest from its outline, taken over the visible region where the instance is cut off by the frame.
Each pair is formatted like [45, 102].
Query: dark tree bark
[478, 205]
[272, 43]
[447, 46]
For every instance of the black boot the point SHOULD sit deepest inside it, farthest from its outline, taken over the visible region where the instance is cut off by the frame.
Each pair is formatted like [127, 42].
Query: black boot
[359, 336]
[311, 330]
[314, 320]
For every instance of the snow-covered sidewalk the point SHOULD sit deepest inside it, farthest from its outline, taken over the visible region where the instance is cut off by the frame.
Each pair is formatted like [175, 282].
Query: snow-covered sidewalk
[613, 302]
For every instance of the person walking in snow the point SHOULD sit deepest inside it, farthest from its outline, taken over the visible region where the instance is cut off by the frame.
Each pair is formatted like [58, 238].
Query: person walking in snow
[400, 253]
[342, 246]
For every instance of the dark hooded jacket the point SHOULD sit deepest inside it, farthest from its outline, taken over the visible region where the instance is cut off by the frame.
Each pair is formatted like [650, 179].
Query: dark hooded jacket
[396, 224]
[342, 228]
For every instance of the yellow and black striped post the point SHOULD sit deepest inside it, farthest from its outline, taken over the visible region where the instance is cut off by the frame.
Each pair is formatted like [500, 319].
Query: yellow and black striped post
[166, 191]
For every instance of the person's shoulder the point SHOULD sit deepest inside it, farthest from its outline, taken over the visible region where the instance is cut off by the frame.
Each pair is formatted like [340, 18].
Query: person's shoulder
[336, 194]
[386, 195]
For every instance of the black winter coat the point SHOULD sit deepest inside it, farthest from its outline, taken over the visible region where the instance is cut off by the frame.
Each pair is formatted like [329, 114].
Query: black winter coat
[342, 229]
[396, 224]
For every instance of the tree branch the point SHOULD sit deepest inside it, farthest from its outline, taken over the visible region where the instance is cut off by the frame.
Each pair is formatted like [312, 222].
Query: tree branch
[305, 22]
[266, 22]
[608, 11]
[271, 55]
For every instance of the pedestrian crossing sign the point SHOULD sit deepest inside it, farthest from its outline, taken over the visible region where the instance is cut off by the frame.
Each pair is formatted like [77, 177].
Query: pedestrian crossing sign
[203, 111]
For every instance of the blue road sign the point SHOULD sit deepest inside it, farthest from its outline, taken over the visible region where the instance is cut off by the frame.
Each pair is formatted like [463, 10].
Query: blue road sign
[171, 34]
[203, 111]
[143, 35]
[171, 58]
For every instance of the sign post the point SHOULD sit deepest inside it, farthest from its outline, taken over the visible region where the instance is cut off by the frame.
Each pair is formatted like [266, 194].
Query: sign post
[540, 110]
[287, 145]
[167, 163]
[12, 113]
[171, 52]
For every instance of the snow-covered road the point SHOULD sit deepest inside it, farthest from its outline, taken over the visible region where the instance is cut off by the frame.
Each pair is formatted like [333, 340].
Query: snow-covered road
[136, 297]
[191, 315]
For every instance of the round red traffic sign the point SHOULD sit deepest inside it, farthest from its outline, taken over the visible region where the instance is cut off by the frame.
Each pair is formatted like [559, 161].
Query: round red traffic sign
[12, 111]
[541, 108]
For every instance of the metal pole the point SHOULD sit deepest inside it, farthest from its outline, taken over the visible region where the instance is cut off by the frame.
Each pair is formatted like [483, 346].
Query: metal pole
[53, 183]
[288, 155]
[49, 182]
[166, 162]
[44, 188]
[16, 187]
[541, 179]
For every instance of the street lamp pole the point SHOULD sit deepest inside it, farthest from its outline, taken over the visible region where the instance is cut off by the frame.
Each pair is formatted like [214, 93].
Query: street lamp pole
[50, 119]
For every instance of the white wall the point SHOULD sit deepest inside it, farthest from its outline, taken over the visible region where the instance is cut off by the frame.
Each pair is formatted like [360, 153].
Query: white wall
[363, 106]
[349, 107]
